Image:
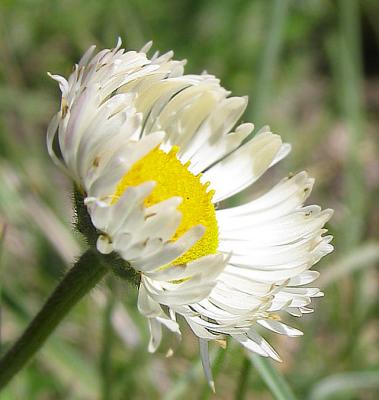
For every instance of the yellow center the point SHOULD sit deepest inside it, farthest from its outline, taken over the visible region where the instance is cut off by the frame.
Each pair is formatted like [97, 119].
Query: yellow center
[174, 179]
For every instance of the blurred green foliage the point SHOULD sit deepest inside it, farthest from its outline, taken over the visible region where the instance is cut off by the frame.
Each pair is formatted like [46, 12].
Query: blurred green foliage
[310, 68]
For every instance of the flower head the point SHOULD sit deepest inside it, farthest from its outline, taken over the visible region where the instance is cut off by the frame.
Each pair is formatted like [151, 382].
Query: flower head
[154, 151]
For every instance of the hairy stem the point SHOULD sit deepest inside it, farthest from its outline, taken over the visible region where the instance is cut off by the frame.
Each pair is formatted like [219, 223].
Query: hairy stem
[78, 281]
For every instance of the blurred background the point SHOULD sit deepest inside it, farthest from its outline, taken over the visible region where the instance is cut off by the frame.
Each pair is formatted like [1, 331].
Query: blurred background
[310, 68]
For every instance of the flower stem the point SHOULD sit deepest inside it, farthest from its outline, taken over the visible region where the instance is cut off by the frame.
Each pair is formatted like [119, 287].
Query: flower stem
[78, 281]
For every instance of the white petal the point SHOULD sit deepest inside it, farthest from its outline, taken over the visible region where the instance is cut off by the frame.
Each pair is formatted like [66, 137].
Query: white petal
[155, 334]
[279, 327]
[103, 245]
[218, 148]
[204, 353]
[118, 166]
[178, 295]
[208, 266]
[282, 199]
[253, 335]
[170, 251]
[243, 167]
[250, 345]
[146, 305]
[50, 137]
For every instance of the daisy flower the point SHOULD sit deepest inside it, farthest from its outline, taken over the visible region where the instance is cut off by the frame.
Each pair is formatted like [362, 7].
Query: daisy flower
[154, 152]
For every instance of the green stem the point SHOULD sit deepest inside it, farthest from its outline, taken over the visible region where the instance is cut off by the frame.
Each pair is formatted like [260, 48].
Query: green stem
[78, 281]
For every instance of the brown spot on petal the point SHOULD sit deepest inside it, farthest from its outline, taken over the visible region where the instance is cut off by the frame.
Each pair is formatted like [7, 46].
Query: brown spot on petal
[96, 161]
[64, 107]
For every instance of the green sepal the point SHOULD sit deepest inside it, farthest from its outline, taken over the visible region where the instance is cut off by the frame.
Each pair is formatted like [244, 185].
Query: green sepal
[82, 220]
[122, 268]
[83, 224]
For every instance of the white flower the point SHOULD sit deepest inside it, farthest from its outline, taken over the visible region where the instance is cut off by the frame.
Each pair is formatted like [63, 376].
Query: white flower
[154, 151]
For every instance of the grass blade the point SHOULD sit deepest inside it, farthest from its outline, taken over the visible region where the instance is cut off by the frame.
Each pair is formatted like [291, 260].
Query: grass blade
[362, 257]
[2, 238]
[272, 378]
[346, 382]
[270, 55]
[244, 379]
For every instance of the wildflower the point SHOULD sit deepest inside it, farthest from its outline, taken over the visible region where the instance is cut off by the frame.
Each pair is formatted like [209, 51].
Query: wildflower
[154, 151]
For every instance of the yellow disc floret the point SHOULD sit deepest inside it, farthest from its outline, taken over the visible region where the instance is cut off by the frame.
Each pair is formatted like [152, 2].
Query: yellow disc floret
[174, 179]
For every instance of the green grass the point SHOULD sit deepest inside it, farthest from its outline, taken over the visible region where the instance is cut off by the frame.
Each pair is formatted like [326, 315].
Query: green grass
[308, 68]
